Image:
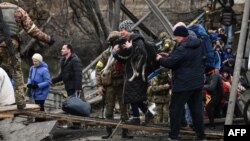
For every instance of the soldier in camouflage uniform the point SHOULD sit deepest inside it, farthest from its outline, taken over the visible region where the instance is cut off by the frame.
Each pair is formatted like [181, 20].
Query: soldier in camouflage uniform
[167, 43]
[110, 86]
[160, 90]
[16, 19]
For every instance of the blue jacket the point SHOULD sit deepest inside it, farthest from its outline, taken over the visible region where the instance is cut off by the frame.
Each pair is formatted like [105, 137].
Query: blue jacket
[186, 64]
[40, 75]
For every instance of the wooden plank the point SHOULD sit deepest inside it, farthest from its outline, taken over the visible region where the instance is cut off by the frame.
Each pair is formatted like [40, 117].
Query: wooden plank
[6, 115]
[14, 107]
[112, 123]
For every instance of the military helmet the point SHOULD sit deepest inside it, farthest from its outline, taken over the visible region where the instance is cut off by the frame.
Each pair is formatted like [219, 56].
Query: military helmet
[10, 1]
[163, 35]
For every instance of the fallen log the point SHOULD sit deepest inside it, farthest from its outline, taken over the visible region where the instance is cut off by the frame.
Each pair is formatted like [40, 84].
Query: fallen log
[111, 123]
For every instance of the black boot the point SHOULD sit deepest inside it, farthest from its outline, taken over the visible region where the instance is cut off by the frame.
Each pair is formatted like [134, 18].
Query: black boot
[133, 121]
[109, 131]
[125, 134]
[148, 117]
[21, 107]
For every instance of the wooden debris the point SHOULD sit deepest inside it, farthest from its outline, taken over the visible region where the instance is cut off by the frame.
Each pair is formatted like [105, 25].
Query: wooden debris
[14, 108]
[6, 115]
[112, 123]
[9, 111]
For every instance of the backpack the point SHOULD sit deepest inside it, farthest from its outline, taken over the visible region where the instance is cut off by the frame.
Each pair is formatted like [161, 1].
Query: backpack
[210, 56]
[151, 49]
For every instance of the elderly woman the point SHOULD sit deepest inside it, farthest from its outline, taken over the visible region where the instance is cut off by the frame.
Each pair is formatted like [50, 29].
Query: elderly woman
[39, 80]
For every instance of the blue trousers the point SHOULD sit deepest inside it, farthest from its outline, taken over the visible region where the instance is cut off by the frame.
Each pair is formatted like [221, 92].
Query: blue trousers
[194, 100]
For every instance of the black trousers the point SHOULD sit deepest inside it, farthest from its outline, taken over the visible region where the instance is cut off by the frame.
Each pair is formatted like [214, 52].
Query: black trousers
[41, 104]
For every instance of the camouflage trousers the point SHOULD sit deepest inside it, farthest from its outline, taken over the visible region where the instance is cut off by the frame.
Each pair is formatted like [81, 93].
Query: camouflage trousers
[162, 110]
[16, 72]
[111, 95]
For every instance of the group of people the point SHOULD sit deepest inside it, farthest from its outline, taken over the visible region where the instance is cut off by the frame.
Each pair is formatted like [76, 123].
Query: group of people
[187, 79]
[124, 80]
[12, 19]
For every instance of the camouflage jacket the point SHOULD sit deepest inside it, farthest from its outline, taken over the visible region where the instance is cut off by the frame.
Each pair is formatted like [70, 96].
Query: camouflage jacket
[158, 85]
[158, 88]
[23, 20]
[117, 69]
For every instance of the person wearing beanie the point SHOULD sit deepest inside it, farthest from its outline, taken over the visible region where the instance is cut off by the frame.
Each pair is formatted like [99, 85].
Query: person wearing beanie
[135, 86]
[39, 82]
[185, 60]
[126, 25]
[181, 31]
[191, 33]
[179, 24]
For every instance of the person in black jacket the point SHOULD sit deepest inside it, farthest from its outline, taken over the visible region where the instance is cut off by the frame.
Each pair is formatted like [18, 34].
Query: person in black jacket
[135, 91]
[228, 21]
[214, 87]
[71, 73]
[185, 61]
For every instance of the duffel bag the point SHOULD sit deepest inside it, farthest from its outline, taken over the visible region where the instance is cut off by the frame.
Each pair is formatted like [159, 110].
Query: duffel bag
[76, 106]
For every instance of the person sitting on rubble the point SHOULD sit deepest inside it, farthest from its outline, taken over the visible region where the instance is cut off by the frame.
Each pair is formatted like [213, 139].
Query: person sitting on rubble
[7, 96]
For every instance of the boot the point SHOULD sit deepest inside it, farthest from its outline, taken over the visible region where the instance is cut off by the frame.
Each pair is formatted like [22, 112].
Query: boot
[21, 107]
[148, 117]
[134, 121]
[109, 131]
[125, 134]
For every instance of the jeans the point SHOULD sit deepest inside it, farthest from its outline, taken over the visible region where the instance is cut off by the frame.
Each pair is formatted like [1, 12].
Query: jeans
[230, 35]
[188, 115]
[194, 100]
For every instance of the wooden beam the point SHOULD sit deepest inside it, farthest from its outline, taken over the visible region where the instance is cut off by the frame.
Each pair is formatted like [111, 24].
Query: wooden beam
[6, 115]
[135, 19]
[105, 122]
[10, 108]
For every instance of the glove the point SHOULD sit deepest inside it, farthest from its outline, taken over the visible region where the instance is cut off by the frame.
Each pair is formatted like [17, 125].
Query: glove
[29, 85]
[35, 86]
[52, 41]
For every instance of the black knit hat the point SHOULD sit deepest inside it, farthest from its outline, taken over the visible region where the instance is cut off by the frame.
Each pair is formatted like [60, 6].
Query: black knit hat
[181, 31]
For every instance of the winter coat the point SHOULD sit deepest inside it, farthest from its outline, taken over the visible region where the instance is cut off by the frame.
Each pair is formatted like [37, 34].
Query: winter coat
[71, 73]
[39, 75]
[135, 91]
[6, 89]
[186, 64]
[214, 84]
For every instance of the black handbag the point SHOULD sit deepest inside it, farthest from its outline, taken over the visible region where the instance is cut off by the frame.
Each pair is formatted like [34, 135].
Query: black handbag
[76, 106]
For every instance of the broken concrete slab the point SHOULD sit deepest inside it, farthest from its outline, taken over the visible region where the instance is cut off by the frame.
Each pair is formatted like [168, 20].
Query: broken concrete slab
[15, 130]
